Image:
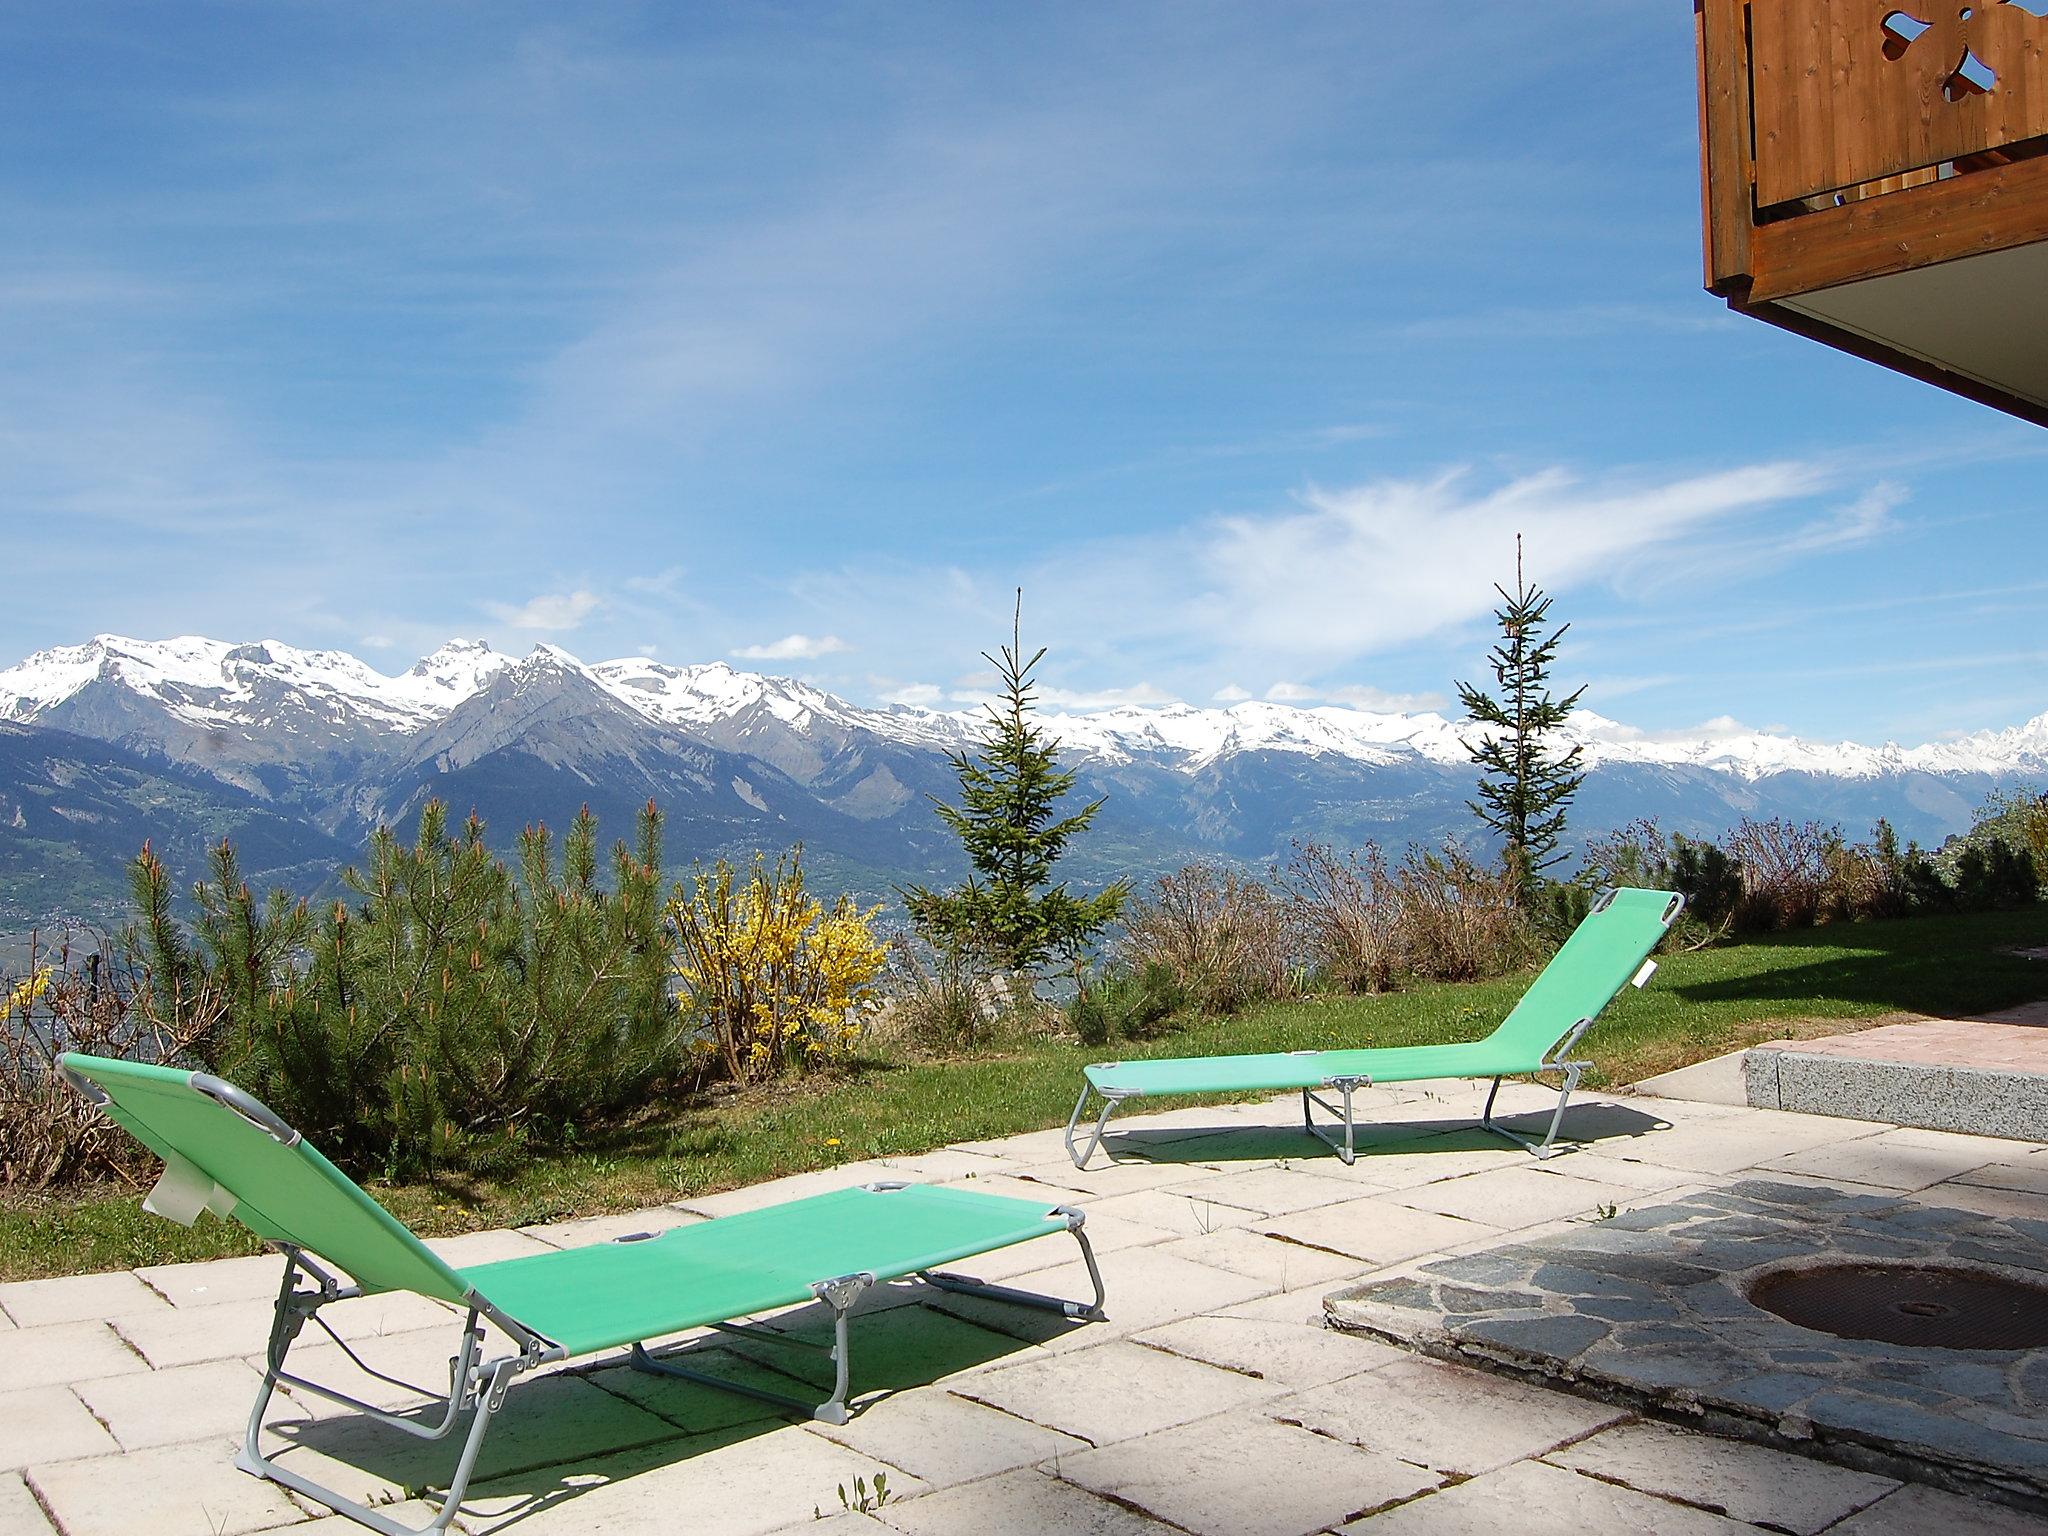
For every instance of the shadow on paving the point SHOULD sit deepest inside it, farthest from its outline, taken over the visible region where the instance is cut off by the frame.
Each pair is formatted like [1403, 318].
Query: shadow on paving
[562, 1435]
[1585, 1124]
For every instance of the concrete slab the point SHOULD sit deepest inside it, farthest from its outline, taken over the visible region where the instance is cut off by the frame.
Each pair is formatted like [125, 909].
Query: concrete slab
[1730, 1144]
[1177, 1215]
[175, 1490]
[944, 1439]
[1014, 1503]
[2005, 1204]
[1897, 1159]
[1377, 1230]
[1534, 1499]
[1114, 1392]
[795, 1187]
[1917, 1511]
[1269, 1260]
[171, 1336]
[1288, 1354]
[1102, 1177]
[700, 1410]
[547, 1423]
[214, 1281]
[893, 1351]
[609, 1229]
[76, 1299]
[63, 1352]
[1726, 1477]
[1445, 1417]
[420, 1356]
[2028, 1174]
[1514, 1197]
[47, 1424]
[1282, 1481]
[20, 1514]
[1717, 1080]
[944, 1164]
[740, 1485]
[192, 1402]
[486, 1247]
[1146, 1288]
[1273, 1190]
[1981, 1076]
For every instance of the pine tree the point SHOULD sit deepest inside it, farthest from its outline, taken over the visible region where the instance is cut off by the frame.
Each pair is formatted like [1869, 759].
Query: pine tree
[1524, 790]
[1010, 909]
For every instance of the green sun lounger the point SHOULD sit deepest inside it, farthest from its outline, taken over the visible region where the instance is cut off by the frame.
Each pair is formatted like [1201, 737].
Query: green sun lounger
[1610, 948]
[226, 1152]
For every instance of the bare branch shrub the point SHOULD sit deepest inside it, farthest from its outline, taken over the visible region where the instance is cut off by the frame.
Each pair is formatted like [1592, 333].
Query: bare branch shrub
[1459, 921]
[1343, 915]
[80, 994]
[1220, 934]
[1785, 872]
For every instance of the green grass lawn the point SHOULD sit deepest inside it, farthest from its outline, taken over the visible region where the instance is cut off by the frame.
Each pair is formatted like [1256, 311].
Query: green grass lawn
[1700, 1004]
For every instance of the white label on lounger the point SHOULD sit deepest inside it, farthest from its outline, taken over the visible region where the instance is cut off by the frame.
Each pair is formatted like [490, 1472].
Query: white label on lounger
[1649, 969]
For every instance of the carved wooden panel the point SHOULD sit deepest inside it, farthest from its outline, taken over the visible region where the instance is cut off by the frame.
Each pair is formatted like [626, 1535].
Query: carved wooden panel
[1851, 91]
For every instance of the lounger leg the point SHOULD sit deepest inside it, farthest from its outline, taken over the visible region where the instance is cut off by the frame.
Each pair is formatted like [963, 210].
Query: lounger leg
[484, 1387]
[1347, 1149]
[1086, 1312]
[1545, 1148]
[1073, 1120]
[840, 1295]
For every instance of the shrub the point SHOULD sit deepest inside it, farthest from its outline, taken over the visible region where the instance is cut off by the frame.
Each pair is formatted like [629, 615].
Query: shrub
[1459, 921]
[452, 1016]
[1219, 934]
[1343, 916]
[70, 1001]
[772, 980]
[1126, 1003]
[1992, 872]
[1785, 872]
[942, 995]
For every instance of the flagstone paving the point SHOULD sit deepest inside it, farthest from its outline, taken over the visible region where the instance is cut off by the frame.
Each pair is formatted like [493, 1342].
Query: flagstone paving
[1211, 1401]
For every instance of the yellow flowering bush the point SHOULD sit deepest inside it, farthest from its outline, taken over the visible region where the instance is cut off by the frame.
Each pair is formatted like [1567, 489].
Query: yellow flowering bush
[772, 979]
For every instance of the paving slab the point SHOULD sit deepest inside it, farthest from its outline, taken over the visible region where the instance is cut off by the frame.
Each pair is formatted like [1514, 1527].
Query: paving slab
[845, 1523]
[486, 1247]
[1267, 1259]
[63, 1352]
[1514, 1197]
[700, 1410]
[1375, 1229]
[1175, 1214]
[20, 1514]
[1730, 1144]
[1018, 1186]
[48, 1424]
[609, 1229]
[893, 1351]
[737, 1485]
[547, 1422]
[210, 1282]
[1288, 1354]
[1534, 1499]
[1899, 1159]
[1638, 1173]
[1145, 1288]
[420, 1357]
[1918, 1511]
[2005, 1204]
[1445, 1417]
[947, 1163]
[174, 1490]
[795, 1187]
[171, 1336]
[1717, 1080]
[2027, 1174]
[1103, 1177]
[944, 1439]
[1727, 1477]
[1115, 1391]
[1274, 1189]
[1280, 1480]
[1014, 1503]
[76, 1298]
[191, 1402]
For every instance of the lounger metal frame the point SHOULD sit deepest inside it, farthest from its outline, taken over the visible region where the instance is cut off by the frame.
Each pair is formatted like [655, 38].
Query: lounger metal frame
[479, 1385]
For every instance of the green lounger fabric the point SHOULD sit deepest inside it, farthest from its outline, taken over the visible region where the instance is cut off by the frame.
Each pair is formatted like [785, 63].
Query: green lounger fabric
[1582, 978]
[619, 1293]
[587, 1298]
[285, 1194]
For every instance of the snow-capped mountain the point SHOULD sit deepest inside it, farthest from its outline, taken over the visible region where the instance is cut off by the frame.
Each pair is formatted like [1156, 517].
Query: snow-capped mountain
[252, 740]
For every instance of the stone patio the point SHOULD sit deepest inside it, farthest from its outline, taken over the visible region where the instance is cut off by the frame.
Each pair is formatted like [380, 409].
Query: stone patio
[1213, 1400]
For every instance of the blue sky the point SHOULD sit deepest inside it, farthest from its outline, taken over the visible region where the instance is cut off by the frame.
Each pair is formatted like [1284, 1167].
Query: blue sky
[1244, 338]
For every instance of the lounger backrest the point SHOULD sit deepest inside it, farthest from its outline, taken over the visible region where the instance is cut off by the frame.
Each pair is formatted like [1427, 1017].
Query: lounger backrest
[284, 1191]
[1596, 962]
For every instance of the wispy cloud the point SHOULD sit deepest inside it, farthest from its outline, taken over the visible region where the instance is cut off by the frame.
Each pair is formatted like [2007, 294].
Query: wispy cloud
[794, 648]
[551, 612]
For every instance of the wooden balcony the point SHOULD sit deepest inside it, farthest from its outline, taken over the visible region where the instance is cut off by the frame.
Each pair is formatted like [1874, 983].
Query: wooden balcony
[1875, 176]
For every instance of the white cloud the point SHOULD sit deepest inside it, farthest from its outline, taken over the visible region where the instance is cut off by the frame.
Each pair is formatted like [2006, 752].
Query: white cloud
[662, 583]
[1290, 693]
[1084, 700]
[794, 648]
[916, 695]
[1230, 693]
[549, 611]
[1379, 701]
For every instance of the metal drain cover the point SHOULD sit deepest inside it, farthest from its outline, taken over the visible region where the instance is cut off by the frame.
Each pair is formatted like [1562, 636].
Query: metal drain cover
[1925, 1306]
